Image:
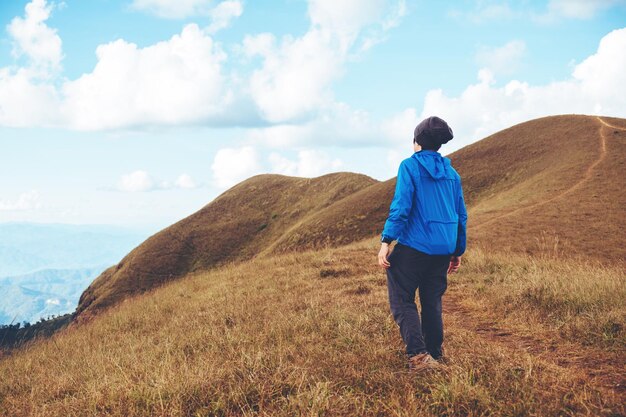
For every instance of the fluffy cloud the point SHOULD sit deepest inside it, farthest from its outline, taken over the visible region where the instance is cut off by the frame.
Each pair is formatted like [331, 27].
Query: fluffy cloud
[349, 19]
[313, 61]
[27, 87]
[504, 59]
[171, 82]
[34, 39]
[180, 81]
[232, 165]
[177, 81]
[18, 91]
[223, 14]
[310, 163]
[26, 201]
[295, 76]
[483, 108]
[177, 9]
[141, 181]
[136, 181]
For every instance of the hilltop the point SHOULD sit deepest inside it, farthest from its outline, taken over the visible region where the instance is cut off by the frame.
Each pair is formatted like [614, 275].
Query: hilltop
[550, 184]
[553, 183]
[262, 214]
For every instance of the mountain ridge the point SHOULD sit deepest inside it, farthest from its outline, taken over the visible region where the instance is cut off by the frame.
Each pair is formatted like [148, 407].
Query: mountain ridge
[509, 178]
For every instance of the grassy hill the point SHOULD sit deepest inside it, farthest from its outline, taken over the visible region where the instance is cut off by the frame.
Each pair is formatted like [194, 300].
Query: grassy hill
[547, 184]
[239, 224]
[310, 333]
[269, 301]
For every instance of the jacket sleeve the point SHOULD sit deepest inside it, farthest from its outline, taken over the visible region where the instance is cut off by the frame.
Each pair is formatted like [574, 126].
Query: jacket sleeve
[401, 204]
[462, 232]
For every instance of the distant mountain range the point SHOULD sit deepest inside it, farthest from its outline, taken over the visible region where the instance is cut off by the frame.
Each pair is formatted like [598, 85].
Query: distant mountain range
[43, 293]
[29, 247]
[45, 267]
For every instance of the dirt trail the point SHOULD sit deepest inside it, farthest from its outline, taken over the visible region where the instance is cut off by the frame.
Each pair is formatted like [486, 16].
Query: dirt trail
[586, 177]
[594, 367]
[607, 124]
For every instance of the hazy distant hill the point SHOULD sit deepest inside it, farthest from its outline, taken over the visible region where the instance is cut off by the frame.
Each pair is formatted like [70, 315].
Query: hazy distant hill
[548, 185]
[45, 267]
[43, 293]
[29, 247]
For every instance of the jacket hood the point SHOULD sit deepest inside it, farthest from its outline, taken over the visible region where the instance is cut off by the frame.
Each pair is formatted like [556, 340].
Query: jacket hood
[436, 165]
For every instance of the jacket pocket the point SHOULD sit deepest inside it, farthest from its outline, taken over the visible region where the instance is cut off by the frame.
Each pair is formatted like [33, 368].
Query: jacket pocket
[442, 235]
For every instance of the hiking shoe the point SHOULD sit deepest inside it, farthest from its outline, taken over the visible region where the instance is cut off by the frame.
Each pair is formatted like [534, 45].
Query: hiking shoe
[422, 362]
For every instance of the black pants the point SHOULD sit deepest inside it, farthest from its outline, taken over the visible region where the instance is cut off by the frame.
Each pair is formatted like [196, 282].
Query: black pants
[412, 270]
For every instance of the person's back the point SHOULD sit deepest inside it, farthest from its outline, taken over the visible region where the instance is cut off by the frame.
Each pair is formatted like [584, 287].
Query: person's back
[428, 219]
[432, 225]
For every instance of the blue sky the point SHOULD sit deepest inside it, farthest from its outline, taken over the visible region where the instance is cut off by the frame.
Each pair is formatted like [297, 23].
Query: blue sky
[140, 112]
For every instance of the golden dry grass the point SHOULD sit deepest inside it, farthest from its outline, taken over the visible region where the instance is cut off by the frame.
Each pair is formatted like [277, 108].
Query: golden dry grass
[311, 334]
[237, 225]
[555, 178]
[552, 181]
[535, 322]
[554, 175]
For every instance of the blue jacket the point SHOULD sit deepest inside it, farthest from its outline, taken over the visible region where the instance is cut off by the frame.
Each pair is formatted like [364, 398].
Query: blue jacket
[428, 211]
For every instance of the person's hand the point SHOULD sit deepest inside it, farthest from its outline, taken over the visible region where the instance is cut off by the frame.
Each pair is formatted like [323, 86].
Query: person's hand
[455, 263]
[382, 255]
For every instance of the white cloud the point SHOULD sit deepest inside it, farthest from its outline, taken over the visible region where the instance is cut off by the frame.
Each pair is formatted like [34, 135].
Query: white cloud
[18, 92]
[602, 76]
[295, 78]
[136, 181]
[178, 9]
[483, 108]
[33, 38]
[504, 59]
[172, 82]
[181, 81]
[336, 124]
[579, 9]
[223, 14]
[185, 181]
[177, 81]
[232, 165]
[29, 200]
[310, 163]
[142, 181]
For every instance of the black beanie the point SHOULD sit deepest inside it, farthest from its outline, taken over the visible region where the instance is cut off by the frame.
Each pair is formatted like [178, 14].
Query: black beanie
[432, 132]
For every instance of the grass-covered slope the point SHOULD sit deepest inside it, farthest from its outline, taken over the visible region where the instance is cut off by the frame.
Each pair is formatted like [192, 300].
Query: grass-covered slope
[237, 225]
[310, 333]
[552, 183]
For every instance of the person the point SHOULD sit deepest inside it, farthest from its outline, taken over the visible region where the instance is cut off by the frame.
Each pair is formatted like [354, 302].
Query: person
[427, 219]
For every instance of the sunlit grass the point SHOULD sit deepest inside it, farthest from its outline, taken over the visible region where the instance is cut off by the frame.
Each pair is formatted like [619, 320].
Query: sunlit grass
[311, 334]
